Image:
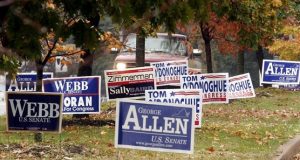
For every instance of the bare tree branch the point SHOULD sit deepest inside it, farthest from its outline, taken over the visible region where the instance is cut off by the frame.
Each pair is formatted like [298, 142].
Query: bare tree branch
[66, 55]
[47, 42]
[49, 53]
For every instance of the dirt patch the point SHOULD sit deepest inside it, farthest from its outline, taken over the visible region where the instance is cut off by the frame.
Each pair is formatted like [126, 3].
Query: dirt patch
[42, 151]
[103, 119]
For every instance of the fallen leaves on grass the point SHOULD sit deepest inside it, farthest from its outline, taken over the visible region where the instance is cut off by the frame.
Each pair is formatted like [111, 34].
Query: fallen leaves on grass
[263, 94]
[240, 113]
[211, 149]
[41, 151]
[110, 145]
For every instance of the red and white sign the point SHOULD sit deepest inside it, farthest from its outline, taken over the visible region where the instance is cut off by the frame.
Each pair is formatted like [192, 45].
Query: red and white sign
[193, 71]
[241, 86]
[129, 83]
[213, 85]
[169, 72]
[178, 96]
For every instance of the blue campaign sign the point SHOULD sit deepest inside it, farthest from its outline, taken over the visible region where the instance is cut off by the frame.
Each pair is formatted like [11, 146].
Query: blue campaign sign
[292, 87]
[154, 126]
[81, 94]
[24, 81]
[280, 72]
[34, 111]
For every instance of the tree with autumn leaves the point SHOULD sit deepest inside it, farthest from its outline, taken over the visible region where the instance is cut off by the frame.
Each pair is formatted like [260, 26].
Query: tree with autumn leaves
[287, 43]
[237, 26]
[37, 30]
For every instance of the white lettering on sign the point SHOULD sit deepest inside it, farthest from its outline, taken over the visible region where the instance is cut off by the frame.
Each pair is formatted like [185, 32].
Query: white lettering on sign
[279, 69]
[78, 101]
[62, 85]
[34, 109]
[21, 86]
[181, 125]
[157, 94]
[120, 90]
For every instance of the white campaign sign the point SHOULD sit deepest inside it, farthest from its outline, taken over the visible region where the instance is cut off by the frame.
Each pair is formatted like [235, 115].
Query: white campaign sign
[169, 72]
[178, 96]
[241, 86]
[213, 85]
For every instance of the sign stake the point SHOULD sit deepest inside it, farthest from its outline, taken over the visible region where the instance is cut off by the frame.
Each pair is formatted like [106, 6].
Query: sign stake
[60, 146]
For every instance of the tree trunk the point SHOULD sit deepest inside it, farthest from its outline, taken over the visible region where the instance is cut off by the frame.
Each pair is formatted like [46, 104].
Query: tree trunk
[38, 137]
[85, 69]
[140, 50]
[3, 38]
[207, 38]
[241, 63]
[39, 74]
[3, 11]
[260, 58]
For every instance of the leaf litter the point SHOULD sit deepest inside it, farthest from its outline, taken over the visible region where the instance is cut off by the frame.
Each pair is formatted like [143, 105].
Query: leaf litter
[39, 151]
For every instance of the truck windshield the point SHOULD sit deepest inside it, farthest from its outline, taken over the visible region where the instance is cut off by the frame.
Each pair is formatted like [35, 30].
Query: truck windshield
[163, 44]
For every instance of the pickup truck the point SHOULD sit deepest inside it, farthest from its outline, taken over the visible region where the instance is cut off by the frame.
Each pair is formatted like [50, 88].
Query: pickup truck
[163, 47]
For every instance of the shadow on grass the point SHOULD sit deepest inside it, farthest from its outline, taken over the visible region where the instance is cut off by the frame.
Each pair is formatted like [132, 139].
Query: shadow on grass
[88, 122]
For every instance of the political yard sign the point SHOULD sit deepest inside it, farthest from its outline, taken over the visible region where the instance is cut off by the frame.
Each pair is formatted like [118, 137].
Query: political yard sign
[280, 72]
[34, 111]
[168, 73]
[129, 83]
[154, 126]
[24, 81]
[240, 86]
[214, 86]
[292, 87]
[81, 94]
[178, 96]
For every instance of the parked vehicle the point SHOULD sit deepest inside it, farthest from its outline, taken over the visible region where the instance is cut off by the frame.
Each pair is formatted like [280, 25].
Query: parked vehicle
[163, 47]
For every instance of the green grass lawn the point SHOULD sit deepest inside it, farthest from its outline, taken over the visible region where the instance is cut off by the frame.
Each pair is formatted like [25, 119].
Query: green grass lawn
[243, 129]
